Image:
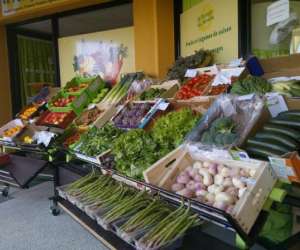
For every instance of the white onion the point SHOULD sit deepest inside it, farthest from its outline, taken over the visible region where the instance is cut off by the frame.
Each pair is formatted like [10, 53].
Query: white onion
[227, 182]
[197, 165]
[224, 197]
[198, 178]
[206, 164]
[244, 173]
[185, 192]
[212, 169]
[210, 197]
[177, 187]
[191, 185]
[183, 179]
[252, 172]
[225, 172]
[237, 182]
[218, 179]
[221, 205]
[201, 192]
[199, 185]
[234, 172]
[220, 167]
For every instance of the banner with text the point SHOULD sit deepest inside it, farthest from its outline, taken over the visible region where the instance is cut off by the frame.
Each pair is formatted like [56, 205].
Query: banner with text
[10, 7]
[213, 25]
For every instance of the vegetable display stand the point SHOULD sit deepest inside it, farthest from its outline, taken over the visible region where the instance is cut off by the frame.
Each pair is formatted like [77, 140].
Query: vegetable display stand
[21, 170]
[208, 213]
[67, 172]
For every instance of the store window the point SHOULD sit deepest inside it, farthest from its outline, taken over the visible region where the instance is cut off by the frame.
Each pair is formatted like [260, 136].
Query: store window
[97, 42]
[278, 39]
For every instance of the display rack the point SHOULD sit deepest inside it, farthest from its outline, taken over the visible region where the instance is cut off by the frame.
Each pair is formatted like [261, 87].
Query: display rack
[214, 215]
[68, 172]
[21, 171]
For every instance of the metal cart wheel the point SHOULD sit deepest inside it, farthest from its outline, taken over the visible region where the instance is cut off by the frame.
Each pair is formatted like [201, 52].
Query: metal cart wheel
[55, 211]
[5, 191]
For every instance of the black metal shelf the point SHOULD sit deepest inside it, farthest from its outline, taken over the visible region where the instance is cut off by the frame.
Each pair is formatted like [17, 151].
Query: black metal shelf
[206, 212]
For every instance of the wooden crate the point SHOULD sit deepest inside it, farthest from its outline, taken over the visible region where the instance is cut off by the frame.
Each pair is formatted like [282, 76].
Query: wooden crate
[246, 210]
[107, 115]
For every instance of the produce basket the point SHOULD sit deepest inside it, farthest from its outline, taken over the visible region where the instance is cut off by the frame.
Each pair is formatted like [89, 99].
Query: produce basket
[54, 119]
[26, 136]
[108, 111]
[136, 114]
[228, 121]
[28, 112]
[11, 130]
[165, 90]
[77, 85]
[88, 117]
[256, 179]
[95, 87]
[61, 102]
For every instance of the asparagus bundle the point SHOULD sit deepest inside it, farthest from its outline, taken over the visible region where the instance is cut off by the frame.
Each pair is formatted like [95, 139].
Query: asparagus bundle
[168, 230]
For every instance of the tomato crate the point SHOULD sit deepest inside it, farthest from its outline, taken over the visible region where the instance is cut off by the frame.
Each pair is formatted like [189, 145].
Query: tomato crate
[77, 85]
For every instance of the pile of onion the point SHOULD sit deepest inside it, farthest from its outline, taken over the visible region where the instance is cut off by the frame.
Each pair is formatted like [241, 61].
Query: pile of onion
[214, 184]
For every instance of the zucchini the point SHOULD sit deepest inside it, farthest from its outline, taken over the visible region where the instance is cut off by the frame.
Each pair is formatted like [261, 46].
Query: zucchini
[269, 144]
[290, 114]
[282, 130]
[281, 139]
[262, 152]
[286, 122]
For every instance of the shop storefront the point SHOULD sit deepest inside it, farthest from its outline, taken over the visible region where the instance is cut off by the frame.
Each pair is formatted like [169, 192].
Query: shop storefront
[167, 124]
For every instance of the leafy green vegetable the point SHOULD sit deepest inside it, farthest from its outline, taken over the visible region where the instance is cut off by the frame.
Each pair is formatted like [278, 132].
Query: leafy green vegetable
[200, 58]
[137, 149]
[134, 151]
[251, 84]
[170, 130]
[98, 140]
[152, 93]
[221, 133]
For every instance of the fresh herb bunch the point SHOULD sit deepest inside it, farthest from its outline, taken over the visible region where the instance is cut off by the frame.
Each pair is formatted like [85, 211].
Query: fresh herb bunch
[201, 58]
[251, 84]
[98, 140]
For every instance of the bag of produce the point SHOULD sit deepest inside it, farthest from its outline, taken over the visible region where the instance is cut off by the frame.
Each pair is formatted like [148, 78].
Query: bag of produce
[228, 121]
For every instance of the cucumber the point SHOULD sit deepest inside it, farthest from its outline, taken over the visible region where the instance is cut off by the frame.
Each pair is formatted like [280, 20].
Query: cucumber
[282, 130]
[262, 152]
[286, 122]
[281, 139]
[290, 114]
[269, 144]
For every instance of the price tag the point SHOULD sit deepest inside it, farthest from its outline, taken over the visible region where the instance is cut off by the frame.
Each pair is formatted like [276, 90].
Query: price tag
[278, 12]
[191, 73]
[163, 106]
[280, 168]
[246, 97]
[235, 63]
[276, 104]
